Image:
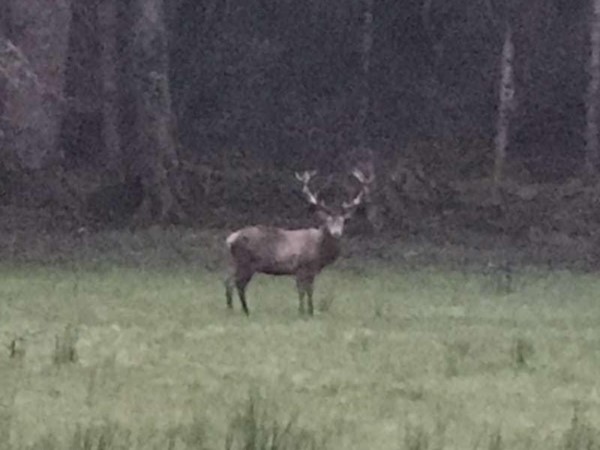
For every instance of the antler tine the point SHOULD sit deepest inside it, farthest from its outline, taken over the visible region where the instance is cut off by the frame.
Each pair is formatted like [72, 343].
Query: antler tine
[364, 181]
[360, 176]
[355, 201]
[305, 178]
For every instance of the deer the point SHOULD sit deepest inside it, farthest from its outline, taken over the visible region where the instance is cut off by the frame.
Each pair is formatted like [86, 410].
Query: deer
[302, 253]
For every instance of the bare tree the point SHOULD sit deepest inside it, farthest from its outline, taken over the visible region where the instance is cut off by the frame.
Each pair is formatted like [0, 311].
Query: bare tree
[156, 157]
[107, 20]
[15, 69]
[367, 45]
[593, 100]
[436, 43]
[505, 107]
[15, 73]
[33, 109]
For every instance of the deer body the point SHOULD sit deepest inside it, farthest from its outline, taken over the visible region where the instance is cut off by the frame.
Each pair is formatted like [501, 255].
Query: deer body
[275, 251]
[301, 253]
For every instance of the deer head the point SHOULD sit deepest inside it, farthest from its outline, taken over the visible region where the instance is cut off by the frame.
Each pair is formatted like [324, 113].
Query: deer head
[333, 219]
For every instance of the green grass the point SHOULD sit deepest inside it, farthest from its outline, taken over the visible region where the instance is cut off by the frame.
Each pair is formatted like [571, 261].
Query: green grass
[111, 357]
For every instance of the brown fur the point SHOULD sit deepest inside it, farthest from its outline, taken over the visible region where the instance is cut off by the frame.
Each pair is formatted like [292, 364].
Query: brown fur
[301, 253]
[260, 249]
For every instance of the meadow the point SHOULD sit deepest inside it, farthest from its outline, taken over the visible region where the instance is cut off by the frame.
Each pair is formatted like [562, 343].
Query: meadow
[130, 346]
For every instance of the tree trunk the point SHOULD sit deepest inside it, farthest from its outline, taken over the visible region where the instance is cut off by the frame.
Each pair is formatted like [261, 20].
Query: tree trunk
[33, 110]
[366, 47]
[107, 20]
[436, 44]
[505, 108]
[4, 76]
[593, 100]
[156, 149]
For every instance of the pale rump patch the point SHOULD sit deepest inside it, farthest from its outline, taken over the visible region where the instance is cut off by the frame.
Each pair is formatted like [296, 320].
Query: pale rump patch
[232, 238]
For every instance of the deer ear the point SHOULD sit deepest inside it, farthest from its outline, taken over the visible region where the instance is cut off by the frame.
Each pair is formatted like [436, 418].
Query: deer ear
[322, 215]
[348, 214]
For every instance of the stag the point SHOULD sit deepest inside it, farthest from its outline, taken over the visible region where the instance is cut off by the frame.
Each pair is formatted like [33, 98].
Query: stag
[302, 253]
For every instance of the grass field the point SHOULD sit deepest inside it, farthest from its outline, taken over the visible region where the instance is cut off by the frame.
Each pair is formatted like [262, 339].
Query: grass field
[121, 356]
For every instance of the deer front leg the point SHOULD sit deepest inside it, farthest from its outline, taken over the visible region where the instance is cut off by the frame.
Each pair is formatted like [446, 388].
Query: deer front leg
[304, 283]
[232, 276]
[301, 294]
[301, 300]
[229, 282]
[309, 295]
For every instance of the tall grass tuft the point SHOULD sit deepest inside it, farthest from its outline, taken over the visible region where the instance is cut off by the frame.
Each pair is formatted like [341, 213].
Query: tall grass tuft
[500, 279]
[416, 438]
[522, 352]
[65, 350]
[257, 427]
[495, 441]
[193, 435]
[325, 302]
[105, 436]
[454, 357]
[16, 348]
[581, 435]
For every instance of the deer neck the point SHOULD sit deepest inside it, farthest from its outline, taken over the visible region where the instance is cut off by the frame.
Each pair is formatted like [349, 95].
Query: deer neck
[329, 248]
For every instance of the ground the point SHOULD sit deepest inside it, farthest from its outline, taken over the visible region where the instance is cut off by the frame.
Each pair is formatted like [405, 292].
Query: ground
[108, 355]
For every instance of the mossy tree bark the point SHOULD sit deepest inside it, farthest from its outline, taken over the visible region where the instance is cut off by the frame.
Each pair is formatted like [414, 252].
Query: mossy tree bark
[156, 159]
[39, 30]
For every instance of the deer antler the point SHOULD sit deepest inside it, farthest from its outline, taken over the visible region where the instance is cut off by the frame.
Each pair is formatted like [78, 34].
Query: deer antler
[355, 201]
[362, 178]
[365, 182]
[305, 178]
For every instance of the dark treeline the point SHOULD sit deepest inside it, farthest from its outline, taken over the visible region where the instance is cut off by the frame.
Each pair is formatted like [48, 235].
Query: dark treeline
[119, 112]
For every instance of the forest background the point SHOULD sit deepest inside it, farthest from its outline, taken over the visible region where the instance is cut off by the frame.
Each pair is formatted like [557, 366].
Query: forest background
[479, 118]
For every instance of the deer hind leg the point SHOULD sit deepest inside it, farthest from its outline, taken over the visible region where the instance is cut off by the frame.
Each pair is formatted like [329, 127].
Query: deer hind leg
[241, 281]
[238, 279]
[229, 283]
